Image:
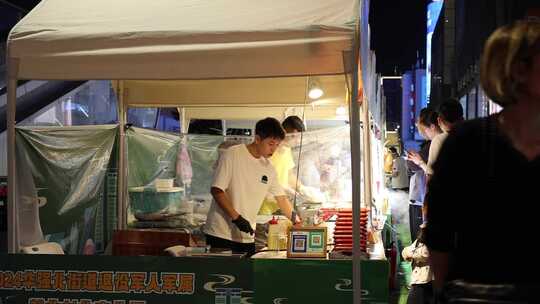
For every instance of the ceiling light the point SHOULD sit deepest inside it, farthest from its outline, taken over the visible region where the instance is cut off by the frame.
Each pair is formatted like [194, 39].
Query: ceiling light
[341, 111]
[315, 93]
[315, 90]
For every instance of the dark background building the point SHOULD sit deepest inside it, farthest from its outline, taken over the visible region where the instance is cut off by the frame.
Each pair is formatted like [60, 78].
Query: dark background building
[392, 91]
[398, 34]
[458, 41]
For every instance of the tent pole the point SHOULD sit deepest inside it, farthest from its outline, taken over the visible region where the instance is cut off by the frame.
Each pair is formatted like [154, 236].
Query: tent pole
[121, 206]
[356, 156]
[12, 208]
[356, 169]
[366, 131]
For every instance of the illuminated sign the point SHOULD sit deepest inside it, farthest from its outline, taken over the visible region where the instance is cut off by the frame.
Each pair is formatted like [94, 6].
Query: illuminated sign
[434, 10]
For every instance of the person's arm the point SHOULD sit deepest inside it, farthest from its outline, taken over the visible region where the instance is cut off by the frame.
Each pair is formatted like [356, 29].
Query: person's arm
[281, 198]
[417, 160]
[439, 264]
[286, 208]
[221, 182]
[434, 150]
[406, 253]
[224, 202]
[294, 182]
[420, 253]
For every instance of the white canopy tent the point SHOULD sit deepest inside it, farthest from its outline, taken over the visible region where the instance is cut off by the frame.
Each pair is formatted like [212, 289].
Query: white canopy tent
[189, 39]
[213, 53]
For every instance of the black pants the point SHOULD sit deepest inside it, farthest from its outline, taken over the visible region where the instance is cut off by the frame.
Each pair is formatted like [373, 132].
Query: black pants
[236, 247]
[420, 294]
[415, 220]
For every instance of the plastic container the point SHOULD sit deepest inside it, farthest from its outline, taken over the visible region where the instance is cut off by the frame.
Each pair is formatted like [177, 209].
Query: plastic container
[310, 217]
[164, 183]
[153, 200]
[273, 234]
[284, 226]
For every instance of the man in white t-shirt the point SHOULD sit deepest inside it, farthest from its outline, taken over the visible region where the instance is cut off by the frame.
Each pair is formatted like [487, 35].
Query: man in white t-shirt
[243, 178]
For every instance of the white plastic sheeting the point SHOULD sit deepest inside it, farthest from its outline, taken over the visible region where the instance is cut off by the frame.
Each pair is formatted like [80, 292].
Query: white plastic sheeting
[321, 157]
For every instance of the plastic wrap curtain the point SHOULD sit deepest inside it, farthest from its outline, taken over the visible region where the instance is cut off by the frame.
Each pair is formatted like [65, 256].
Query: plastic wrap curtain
[62, 193]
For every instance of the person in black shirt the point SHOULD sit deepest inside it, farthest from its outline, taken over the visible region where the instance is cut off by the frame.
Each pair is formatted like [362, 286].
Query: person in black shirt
[486, 178]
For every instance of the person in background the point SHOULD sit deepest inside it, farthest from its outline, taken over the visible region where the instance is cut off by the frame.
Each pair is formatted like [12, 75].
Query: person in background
[428, 128]
[244, 176]
[400, 178]
[388, 160]
[486, 179]
[417, 253]
[283, 162]
[450, 113]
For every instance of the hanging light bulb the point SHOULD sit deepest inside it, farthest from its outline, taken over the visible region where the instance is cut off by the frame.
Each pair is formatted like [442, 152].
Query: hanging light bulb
[341, 111]
[315, 93]
[315, 90]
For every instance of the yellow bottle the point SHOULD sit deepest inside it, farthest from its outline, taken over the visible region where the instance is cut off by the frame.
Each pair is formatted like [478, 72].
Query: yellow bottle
[273, 234]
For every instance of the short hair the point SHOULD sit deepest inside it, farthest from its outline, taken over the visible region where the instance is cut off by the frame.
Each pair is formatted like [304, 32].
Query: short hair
[450, 110]
[509, 46]
[269, 127]
[293, 122]
[428, 117]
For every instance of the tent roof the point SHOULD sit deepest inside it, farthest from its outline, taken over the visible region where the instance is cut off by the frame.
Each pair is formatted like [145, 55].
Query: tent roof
[241, 98]
[260, 92]
[188, 39]
[317, 112]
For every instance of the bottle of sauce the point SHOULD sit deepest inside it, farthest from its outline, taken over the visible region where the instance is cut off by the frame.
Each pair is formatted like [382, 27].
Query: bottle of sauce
[273, 234]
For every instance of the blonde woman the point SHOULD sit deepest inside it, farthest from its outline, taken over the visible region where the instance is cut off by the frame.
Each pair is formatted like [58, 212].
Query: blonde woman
[485, 180]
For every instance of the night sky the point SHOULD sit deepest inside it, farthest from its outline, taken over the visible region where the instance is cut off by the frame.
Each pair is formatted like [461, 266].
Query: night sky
[398, 31]
[11, 11]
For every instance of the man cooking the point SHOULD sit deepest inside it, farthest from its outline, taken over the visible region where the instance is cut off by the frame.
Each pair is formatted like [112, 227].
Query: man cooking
[243, 177]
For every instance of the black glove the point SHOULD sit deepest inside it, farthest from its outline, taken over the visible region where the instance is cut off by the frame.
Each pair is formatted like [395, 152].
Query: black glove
[243, 225]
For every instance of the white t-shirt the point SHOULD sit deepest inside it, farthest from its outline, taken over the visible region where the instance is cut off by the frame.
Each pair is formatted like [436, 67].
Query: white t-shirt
[246, 180]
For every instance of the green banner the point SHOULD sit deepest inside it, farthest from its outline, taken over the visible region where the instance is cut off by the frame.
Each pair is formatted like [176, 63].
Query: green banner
[71, 279]
[318, 281]
[56, 279]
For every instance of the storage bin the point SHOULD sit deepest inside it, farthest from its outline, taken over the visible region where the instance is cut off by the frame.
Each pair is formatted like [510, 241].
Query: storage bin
[145, 201]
